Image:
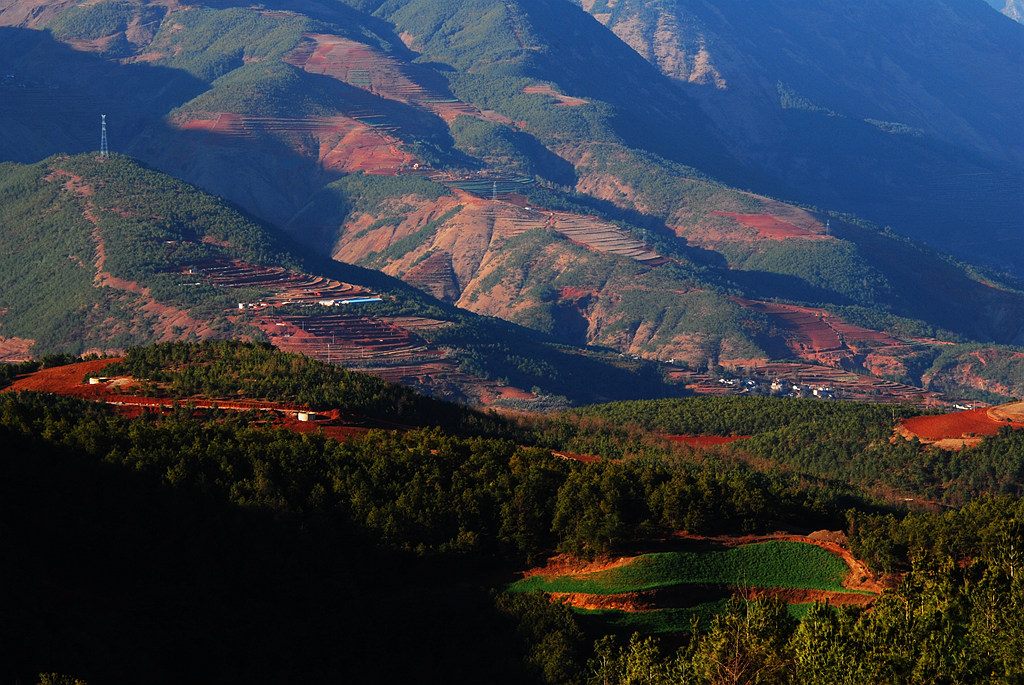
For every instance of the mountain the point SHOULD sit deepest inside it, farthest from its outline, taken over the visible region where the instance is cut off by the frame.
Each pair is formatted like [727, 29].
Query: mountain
[903, 113]
[757, 109]
[482, 153]
[100, 254]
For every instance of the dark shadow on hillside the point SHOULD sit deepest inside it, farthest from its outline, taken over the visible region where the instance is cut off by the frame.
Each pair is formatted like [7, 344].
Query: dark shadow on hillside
[115, 577]
[51, 97]
[767, 285]
[280, 159]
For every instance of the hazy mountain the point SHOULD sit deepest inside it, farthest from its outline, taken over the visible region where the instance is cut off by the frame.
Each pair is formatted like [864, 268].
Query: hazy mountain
[1014, 9]
[906, 113]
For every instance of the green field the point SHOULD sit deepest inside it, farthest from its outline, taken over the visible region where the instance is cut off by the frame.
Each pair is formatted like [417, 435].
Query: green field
[766, 564]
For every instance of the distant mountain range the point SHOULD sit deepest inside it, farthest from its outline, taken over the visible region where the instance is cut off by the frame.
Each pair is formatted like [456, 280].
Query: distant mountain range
[905, 113]
[613, 188]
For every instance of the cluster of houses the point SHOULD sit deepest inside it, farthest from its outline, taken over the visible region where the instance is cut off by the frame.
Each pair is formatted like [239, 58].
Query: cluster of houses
[779, 388]
[323, 303]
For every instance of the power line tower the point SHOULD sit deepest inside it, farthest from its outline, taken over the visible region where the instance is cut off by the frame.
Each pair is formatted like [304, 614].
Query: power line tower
[104, 152]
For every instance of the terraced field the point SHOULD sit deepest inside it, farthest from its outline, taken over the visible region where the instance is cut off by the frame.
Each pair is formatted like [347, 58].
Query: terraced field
[603, 237]
[343, 144]
[364, 67]
[287, 287]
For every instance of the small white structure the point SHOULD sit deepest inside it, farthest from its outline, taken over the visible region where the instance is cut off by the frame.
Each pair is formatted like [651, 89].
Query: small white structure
[306, 416]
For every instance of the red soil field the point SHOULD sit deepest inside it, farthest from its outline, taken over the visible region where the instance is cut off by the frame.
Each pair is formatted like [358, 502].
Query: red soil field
[854, 333]
[68, 380]
[706, 440]
[767, 226]
[812, 330]
[965, 426]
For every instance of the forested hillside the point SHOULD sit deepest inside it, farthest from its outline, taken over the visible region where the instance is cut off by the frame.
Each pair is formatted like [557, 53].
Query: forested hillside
[101, 254]
[296, 555]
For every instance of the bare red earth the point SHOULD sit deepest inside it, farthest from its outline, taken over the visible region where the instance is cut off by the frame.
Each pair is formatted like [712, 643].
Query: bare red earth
[965, 425]
[767, 226]
[70, 381]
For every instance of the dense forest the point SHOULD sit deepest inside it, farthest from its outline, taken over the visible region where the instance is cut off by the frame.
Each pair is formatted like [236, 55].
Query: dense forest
[189, 545]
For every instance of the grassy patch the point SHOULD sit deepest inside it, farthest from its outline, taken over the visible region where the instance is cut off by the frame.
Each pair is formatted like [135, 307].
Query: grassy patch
[765, 564]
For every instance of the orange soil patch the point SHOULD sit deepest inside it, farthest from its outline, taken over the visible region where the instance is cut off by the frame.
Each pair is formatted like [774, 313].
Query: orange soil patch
[812, 330]
[570, 293]
[963, 428]
[69, 380]
[767, 226]
[344, 143]
[15, 349]
[706, 440]
[65, 380]
[566, 564]
[563, 100]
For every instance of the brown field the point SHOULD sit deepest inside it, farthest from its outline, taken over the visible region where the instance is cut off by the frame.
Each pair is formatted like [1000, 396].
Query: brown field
[15, 349]
[601, 236]
[809, 328]
[365, 67]
[288, 287]
[771, 228]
